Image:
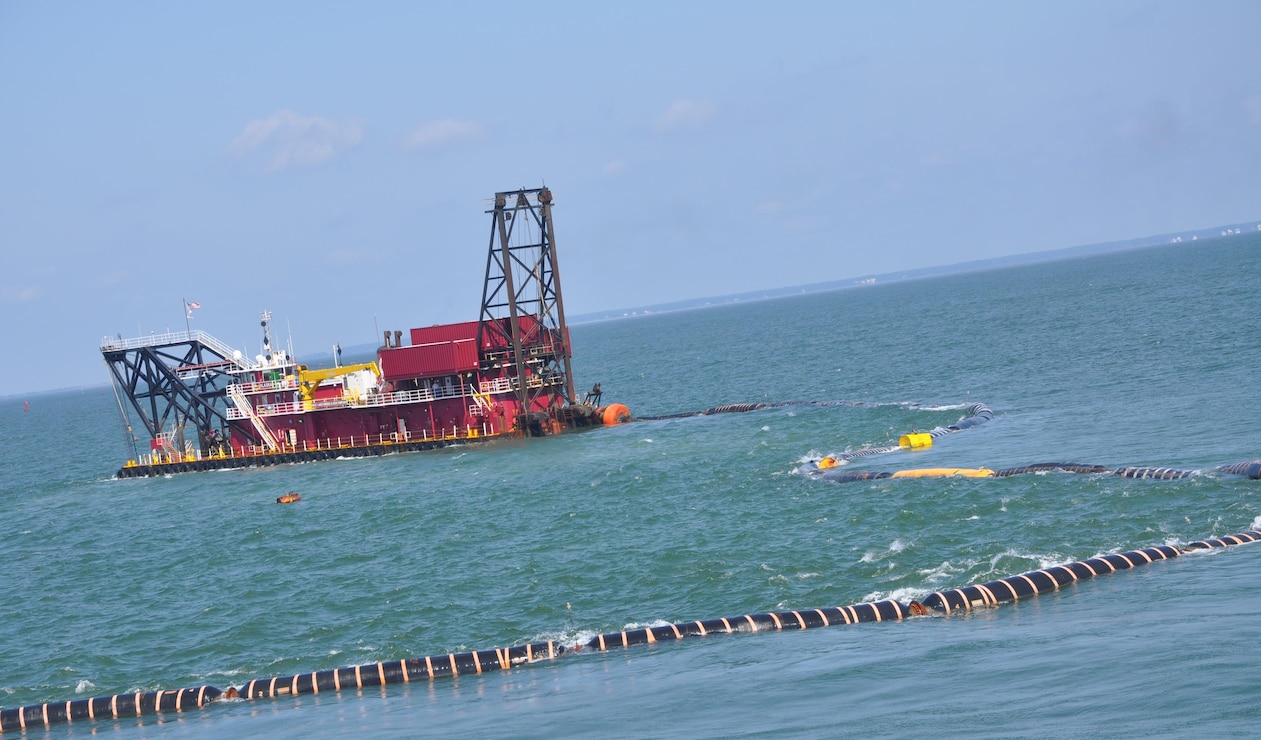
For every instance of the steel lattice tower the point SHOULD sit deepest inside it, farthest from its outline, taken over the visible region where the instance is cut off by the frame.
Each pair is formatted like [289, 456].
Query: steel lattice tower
[522, 306]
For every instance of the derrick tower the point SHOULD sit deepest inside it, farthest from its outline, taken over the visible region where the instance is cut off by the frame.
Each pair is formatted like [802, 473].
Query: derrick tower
[522, 309]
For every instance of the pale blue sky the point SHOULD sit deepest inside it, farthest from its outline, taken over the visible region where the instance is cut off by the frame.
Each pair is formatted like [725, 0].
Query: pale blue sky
[331, 162]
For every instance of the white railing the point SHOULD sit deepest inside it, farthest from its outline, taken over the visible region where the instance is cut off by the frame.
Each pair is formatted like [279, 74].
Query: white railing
[508, 385]
[180, 337]
[269, 386]
[244, 362]
[374, 400]
[498, 385]
[167, 442]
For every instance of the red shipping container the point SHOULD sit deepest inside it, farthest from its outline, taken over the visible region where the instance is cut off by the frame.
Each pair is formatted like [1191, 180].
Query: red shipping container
[428, 360]
[444, 333]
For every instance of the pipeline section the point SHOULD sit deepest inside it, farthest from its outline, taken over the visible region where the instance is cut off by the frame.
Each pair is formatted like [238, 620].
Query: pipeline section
[966, 599]
[1046, 580]
[107, 707]
[976, 414]
[1249, 469]
[738, 408]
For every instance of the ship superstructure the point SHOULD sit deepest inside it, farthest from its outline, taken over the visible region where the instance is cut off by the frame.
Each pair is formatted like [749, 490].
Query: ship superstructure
[205, 405]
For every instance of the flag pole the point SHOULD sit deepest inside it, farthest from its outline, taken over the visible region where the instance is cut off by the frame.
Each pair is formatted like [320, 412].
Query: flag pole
[187, 315]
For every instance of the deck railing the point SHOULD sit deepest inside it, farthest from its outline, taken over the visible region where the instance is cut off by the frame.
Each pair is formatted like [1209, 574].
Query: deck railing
[374, 400]
[179, 337]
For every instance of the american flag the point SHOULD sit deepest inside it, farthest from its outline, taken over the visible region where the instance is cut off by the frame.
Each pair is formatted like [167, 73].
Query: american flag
[193, 304]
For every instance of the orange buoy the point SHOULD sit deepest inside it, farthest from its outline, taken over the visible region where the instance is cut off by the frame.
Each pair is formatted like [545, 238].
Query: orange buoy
[615, 413]
[289, 498]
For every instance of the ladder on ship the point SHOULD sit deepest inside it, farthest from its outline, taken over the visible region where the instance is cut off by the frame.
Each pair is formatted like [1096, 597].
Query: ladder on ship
[483, 402]
[247, 410]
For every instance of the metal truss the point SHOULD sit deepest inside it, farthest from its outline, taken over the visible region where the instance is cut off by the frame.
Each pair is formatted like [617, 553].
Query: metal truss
[522, 308]
[173, 385]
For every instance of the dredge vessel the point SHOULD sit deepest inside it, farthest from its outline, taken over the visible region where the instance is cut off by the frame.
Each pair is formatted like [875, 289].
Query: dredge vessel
[205, 405]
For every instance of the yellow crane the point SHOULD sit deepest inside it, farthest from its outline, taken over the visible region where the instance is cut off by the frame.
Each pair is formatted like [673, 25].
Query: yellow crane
[309, 380]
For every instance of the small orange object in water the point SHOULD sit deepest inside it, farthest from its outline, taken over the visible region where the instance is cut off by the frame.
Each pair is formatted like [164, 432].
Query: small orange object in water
[288, 498]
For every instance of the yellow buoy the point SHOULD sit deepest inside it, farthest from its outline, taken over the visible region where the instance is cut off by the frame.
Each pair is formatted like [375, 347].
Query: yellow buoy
[916, 441]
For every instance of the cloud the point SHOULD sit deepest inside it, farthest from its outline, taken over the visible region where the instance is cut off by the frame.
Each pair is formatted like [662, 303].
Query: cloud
[23, 294]
[287, 139]
[684, 113]
[441, 132]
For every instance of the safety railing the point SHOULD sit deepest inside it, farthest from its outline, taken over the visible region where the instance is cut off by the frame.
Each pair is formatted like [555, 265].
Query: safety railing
[269, 386]
[356, 442]
[179, 337]
[498, 385]
[373, 400]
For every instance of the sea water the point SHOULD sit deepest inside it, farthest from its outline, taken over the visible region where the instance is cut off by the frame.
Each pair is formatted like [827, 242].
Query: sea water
[1138, 358]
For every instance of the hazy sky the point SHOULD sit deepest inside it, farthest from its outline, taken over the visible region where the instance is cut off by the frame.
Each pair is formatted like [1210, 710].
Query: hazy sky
[331, 162]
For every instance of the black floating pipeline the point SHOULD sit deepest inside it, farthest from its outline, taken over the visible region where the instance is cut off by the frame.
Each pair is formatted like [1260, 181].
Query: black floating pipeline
[731, 408]
[1042, 581]
[969, 598]
[401, 671]
[118, 706]
[873, 611]
[1046, 580]
[739, 408]
[1250, 469]
[1052, 466]
[977, 413]
[374, 674]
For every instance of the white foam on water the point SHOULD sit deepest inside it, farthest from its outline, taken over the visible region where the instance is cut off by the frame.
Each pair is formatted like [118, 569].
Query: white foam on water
[901, 595]
[946, 571]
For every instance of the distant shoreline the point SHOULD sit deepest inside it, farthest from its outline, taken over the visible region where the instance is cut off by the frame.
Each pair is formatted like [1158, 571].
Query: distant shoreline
[993, 263]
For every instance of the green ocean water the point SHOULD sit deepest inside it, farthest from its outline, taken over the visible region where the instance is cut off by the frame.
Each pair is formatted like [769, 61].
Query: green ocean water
[1138, 358]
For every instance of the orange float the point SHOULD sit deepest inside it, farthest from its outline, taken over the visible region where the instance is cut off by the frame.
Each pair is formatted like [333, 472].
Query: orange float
[615, 413]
